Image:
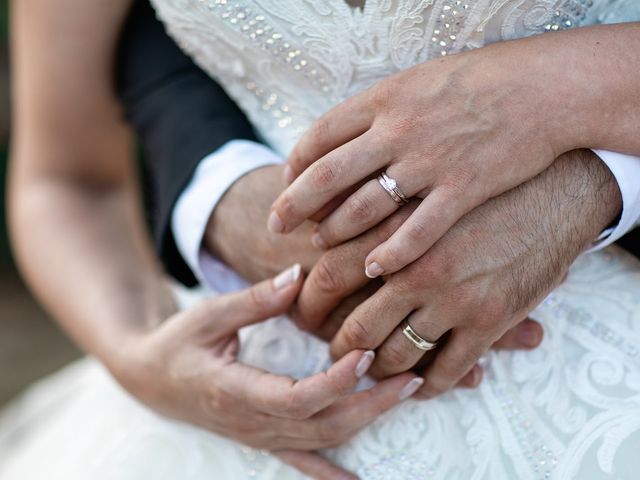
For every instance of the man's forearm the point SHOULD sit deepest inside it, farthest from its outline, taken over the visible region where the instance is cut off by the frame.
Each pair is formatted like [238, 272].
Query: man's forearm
[564, 210]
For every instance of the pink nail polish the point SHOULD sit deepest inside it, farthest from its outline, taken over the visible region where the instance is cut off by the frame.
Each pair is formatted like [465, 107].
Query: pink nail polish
[365, 362]
[373, 270]
[288, 277]
[275, 224]
[410, 388]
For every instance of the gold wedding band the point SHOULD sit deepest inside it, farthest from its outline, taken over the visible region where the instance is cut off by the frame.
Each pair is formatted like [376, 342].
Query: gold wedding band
[417, 340]
[391, 187]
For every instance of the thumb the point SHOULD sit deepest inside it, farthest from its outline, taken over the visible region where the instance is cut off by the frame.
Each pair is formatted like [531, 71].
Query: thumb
[261, 301]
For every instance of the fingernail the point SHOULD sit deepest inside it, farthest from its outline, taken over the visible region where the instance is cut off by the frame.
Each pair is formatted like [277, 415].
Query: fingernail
[318, 241]
[365, 362]
[288, 277]
[288, 175]
[373, 270]
[410, 388]
[274, 224]
[528, 337]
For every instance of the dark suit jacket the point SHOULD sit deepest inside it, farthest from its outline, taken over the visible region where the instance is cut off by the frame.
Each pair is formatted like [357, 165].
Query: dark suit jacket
[181, 116]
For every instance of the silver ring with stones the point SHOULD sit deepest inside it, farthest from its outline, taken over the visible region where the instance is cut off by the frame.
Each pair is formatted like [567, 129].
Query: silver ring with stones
[391, 187]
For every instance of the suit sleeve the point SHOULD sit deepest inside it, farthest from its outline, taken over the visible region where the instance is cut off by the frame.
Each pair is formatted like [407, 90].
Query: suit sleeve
[180, 114]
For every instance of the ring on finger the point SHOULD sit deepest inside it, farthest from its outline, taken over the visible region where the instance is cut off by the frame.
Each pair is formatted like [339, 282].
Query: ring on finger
[391, 187]
[420, 343]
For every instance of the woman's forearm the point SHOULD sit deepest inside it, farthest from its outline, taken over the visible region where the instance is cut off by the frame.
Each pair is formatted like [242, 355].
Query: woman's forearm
[85, 254]
[77, 235]
[584, 82]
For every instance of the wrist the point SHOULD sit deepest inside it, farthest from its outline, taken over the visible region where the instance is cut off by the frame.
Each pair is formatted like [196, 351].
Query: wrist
[236, 231]
[590, 197]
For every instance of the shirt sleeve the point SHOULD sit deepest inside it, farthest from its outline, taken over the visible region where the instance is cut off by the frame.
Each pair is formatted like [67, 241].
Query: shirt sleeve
[215, 174]
[626, 171]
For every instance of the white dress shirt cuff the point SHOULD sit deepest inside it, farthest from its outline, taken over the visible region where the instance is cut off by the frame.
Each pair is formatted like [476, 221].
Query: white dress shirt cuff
[215, 174]
[626, 171]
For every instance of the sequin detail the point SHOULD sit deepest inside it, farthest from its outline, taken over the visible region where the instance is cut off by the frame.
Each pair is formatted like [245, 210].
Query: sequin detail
[449, 23]
[571, 13]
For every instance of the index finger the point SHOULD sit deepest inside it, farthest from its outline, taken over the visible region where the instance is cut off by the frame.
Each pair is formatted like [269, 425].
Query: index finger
[286, 397]
[327, 178]
[342, 123]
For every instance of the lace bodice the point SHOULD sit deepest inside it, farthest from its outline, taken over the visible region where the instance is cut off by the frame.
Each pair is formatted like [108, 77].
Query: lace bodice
[286, 62]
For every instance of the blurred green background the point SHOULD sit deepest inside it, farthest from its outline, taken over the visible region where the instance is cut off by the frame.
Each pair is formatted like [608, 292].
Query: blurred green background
[30, 344]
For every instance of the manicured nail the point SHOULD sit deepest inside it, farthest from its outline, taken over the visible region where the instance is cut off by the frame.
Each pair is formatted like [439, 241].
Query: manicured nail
[365, 362]
[318, 241]
[528, 337]
[288, 175]
[410, 388]
[373, 270]
[288, 277]
[274, 224]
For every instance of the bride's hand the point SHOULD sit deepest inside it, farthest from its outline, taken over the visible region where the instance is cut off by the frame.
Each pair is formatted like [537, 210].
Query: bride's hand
[454, 131]
[188, 369]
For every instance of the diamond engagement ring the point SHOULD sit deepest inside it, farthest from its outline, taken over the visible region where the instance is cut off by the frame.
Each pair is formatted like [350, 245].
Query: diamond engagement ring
[391, 187]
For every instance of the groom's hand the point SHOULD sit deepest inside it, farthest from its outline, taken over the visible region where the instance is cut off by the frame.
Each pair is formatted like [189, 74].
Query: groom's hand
[237, 234]
[485, 275]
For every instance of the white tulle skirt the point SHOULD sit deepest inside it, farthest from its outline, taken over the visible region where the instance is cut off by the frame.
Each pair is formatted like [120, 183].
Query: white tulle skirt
[570, 409]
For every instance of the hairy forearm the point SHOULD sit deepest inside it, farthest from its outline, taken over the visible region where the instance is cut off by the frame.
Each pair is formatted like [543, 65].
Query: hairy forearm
[85, 254]
[555, 216]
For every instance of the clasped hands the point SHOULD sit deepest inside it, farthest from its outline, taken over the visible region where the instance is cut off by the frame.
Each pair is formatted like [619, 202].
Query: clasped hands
[472, 263]
[490, 228]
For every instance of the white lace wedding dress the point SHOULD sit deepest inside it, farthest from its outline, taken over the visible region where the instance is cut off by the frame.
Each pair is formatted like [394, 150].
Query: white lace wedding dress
[570, 409]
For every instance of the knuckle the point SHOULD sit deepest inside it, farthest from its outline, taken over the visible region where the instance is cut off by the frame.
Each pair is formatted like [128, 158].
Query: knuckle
[381, 93]
[356, 333]
[458, 184]
[319, 132]
[328, 279]
[360, 210]
[417, 232]
[296, 407]
[395, 358]
[403, 126]
[324, 173]
[286, 206]
[492, 311]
